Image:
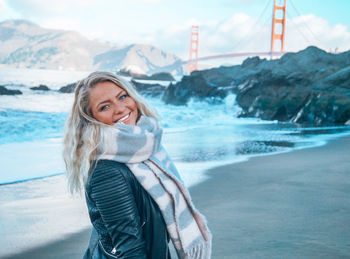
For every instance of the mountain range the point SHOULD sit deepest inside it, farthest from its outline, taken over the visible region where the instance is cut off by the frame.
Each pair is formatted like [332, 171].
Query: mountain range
[27, 45]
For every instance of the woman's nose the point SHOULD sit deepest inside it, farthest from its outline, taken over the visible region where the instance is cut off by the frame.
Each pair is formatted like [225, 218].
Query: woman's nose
[119, 108]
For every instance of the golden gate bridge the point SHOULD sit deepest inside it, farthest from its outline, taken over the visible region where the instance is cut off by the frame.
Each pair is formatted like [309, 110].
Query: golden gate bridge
[278, 20]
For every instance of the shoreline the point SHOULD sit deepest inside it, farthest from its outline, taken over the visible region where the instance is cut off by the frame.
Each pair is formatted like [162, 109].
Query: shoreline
[239, 159]
[246, 228]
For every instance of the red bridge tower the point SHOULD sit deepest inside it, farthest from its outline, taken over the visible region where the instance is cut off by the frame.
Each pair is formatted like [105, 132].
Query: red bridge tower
[280, 19]
[193, 64]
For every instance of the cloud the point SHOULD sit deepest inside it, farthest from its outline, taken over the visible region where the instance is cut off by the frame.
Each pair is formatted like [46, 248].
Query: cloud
[309, 29]
[30, 8]
[7, 12]
[235, 3]
[146, 1]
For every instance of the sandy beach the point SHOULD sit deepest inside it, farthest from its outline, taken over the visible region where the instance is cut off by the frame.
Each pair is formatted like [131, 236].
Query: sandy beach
[290, 205]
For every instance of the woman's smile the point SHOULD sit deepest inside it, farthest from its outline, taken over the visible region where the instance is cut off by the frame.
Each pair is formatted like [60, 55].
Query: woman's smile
[124, 119]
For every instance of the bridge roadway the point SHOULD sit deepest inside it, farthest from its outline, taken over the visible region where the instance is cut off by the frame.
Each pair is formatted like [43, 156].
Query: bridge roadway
[234, 55]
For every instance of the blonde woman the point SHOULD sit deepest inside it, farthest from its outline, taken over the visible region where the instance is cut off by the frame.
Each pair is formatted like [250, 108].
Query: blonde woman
[135, 197]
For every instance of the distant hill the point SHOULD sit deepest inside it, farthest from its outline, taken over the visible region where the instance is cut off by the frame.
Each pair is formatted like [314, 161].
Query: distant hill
[139, 59]
[24, 44]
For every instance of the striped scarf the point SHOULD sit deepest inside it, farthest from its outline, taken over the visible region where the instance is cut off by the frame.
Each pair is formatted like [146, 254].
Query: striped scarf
[140, 149]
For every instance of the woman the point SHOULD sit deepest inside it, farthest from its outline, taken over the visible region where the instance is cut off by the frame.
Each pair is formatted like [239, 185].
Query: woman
[135, 197]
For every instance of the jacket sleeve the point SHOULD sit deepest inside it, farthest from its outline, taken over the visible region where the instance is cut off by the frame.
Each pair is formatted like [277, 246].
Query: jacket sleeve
[116, 203]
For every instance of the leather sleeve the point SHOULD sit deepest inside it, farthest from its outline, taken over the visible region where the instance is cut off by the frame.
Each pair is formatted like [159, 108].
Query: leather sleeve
[116, 203]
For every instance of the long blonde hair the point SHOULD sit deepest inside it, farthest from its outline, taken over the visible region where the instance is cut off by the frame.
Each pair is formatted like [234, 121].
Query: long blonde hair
[81, 137]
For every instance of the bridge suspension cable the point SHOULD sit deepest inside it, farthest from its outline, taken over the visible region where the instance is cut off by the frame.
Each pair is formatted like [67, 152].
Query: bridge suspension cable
[306, 24]
[297, 27]
[246, 37]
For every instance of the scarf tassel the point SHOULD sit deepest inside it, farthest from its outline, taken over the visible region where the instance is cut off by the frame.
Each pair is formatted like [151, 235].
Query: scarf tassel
[199, 251]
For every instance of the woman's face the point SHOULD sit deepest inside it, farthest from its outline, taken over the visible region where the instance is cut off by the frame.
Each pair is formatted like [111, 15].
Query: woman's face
[111, 104]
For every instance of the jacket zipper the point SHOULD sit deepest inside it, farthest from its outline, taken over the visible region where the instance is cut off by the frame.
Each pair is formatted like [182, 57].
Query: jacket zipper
[114, 256]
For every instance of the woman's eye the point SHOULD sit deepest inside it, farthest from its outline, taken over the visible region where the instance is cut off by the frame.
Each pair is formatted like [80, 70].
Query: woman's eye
[104, 107]
[123, 97]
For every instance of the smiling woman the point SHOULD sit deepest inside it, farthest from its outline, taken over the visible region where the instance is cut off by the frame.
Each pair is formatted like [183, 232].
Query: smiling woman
[135, 197]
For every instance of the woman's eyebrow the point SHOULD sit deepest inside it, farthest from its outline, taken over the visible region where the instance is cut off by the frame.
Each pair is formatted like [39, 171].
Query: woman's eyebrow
[121, 92]
[105, 101]
[108, 100]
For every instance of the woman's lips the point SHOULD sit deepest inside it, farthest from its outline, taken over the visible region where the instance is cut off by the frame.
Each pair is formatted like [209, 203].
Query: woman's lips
[123, 119]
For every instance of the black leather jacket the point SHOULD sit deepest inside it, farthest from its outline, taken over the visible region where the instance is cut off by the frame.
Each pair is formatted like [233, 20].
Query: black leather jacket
[127, 223]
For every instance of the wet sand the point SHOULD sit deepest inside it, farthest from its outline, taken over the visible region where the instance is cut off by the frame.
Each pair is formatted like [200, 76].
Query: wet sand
[290, 205]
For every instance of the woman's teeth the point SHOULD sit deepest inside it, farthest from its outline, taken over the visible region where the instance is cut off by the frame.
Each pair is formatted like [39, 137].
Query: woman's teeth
[124, 118]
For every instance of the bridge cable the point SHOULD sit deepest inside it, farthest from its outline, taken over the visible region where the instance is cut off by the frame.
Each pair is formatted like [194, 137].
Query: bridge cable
[255, 24]
[262, 36]
[296, 26]
[306, 25]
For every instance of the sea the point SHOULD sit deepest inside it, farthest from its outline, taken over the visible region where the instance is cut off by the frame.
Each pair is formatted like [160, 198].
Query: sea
[34, 203]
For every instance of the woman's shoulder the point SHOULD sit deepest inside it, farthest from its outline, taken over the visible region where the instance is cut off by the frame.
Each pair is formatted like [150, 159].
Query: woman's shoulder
[107, 164]
[106, 169]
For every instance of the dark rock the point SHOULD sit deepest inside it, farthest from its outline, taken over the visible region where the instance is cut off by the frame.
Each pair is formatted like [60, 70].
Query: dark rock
[153, 90]
[307, 87]
[340, 78]
[271, 102]
[162, 76]
[194, 86]
[40, 88]
[251, 62]
[324, 108]
[5, 91]
[129, 73]
[68, 88]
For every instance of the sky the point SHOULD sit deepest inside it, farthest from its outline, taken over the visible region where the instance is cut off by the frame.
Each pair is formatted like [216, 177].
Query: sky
[226, 26]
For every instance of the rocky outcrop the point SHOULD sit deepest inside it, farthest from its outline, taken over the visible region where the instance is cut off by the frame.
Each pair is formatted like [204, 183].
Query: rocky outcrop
[153, 90]
[161, 76]
[308, 87]
[5, 91]
[40, 88]
[194, 86]
[68, 88]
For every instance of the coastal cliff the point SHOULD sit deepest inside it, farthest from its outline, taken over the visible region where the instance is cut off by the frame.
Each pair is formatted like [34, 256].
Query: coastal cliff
[307, 87]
